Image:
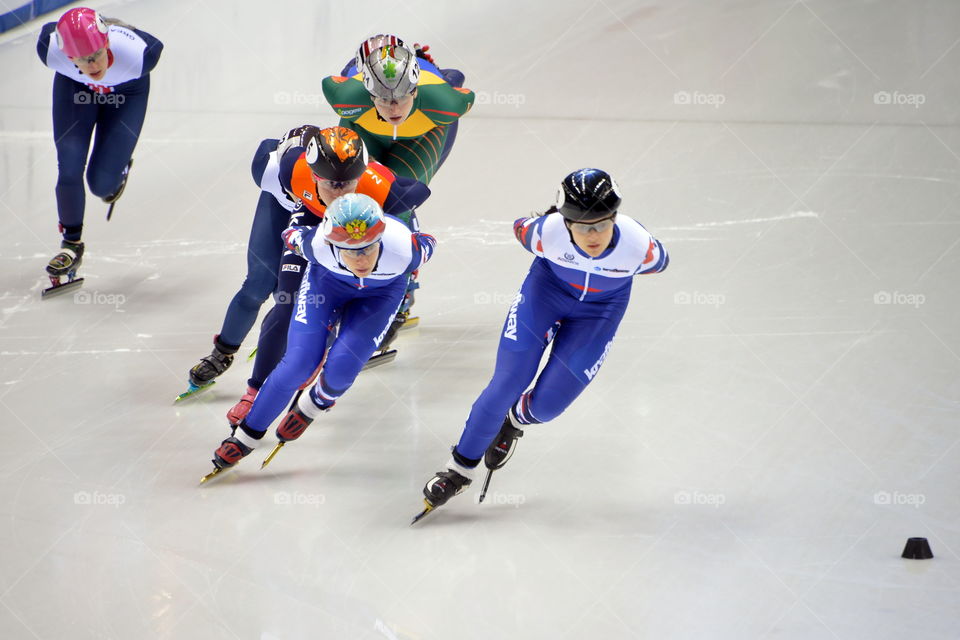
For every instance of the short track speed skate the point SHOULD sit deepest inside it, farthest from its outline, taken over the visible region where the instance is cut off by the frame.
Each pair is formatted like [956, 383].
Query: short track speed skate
[64, 265]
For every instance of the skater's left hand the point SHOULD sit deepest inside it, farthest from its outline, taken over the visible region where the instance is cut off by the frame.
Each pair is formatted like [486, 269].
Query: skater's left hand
[292, 240]
[421, 52]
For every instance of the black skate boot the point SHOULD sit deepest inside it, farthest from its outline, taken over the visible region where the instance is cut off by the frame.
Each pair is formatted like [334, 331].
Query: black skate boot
[213, 365]
[500, 450]
[443, 486]
[66, 263]
[113, 197]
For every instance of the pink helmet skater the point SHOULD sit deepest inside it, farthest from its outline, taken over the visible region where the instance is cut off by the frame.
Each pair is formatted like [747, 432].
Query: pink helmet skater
[80, 32]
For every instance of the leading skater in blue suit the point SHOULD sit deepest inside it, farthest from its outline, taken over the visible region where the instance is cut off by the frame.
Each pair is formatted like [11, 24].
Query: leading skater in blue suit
[574, 296]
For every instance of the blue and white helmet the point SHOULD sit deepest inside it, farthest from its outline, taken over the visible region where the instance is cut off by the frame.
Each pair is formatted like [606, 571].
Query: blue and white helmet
[389, 67]
[353, 221]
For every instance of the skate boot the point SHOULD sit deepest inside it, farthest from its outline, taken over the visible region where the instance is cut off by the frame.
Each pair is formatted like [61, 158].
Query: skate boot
[295, 423]
[240, 410]
[113, 197]
[500, 450]
[203, 373]
[64, 264]
[444, 485]
[231, 451]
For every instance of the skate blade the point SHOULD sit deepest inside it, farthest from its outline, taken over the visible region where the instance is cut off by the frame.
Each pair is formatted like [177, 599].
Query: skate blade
[253, 354]
[275, 451]
[486, 485]
[410, 323]
[380, 359]
[213, 474]
[193, 390]
[427, 509]
[60, 289]
[110, 210]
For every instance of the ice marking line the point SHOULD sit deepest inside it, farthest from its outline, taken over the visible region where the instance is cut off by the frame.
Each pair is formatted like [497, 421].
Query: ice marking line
[729, 223]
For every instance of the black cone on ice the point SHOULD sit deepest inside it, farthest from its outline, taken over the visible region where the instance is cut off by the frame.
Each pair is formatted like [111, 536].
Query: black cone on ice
[917, 549]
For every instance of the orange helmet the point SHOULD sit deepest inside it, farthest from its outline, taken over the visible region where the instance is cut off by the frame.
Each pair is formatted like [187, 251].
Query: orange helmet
[336, 153]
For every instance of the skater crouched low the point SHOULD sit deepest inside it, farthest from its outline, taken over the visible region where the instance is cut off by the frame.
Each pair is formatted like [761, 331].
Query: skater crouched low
[574, 296]
[359, 263]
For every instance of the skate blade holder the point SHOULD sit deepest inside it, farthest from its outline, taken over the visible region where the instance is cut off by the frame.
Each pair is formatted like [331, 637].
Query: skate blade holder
[60, 289]
[380, 359]
[193, 390]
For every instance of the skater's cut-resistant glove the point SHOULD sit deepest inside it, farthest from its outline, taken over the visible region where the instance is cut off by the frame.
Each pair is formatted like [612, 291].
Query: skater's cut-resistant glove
[293, 240]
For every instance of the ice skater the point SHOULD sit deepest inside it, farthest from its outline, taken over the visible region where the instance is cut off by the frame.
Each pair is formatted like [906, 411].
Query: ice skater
[359, 261]
[405, 108]
[574, 297]
[102, 83]
[298, 175]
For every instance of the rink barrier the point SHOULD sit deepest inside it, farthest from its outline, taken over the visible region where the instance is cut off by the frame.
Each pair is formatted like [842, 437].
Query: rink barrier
[27, 12]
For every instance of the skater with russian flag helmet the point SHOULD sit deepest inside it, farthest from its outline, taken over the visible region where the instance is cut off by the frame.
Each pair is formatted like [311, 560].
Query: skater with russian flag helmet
[101, 86]
[574, 297]
[359, 261]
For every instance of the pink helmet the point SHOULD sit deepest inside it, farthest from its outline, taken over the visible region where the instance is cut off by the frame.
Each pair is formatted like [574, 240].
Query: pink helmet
[81, 32]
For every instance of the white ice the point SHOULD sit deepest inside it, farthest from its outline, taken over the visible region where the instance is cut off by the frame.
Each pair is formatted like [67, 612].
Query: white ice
[778, 415]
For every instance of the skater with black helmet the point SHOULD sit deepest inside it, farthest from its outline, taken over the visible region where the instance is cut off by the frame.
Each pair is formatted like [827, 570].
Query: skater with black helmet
[574, 297]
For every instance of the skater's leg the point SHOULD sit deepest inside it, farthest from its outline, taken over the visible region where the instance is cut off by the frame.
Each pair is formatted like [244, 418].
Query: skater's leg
[119, 123]
[306, 343]
[581, 345]
[362, 327]
[74, 116]
[272, 342]
[522, 341]
[264, 251]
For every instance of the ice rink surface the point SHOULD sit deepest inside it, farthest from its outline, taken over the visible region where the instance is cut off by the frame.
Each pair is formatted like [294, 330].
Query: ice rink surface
[778, 415]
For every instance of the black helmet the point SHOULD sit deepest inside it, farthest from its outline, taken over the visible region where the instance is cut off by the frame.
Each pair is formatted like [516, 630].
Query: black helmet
[336, 153]
[588, 194]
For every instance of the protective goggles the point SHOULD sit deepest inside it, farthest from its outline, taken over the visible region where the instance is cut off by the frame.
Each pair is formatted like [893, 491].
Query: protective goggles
[336, 185]
[362, 251]
[598, 225]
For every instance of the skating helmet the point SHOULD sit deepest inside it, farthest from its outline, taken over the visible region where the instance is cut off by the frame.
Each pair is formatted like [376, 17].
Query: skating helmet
[335, 153]
[81, 32]
[588, 194]
[389, 67]
[353, 221]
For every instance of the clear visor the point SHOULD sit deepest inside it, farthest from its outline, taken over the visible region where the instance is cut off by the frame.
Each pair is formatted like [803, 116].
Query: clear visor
[599, 225]
[336, 185]
[362, 251]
